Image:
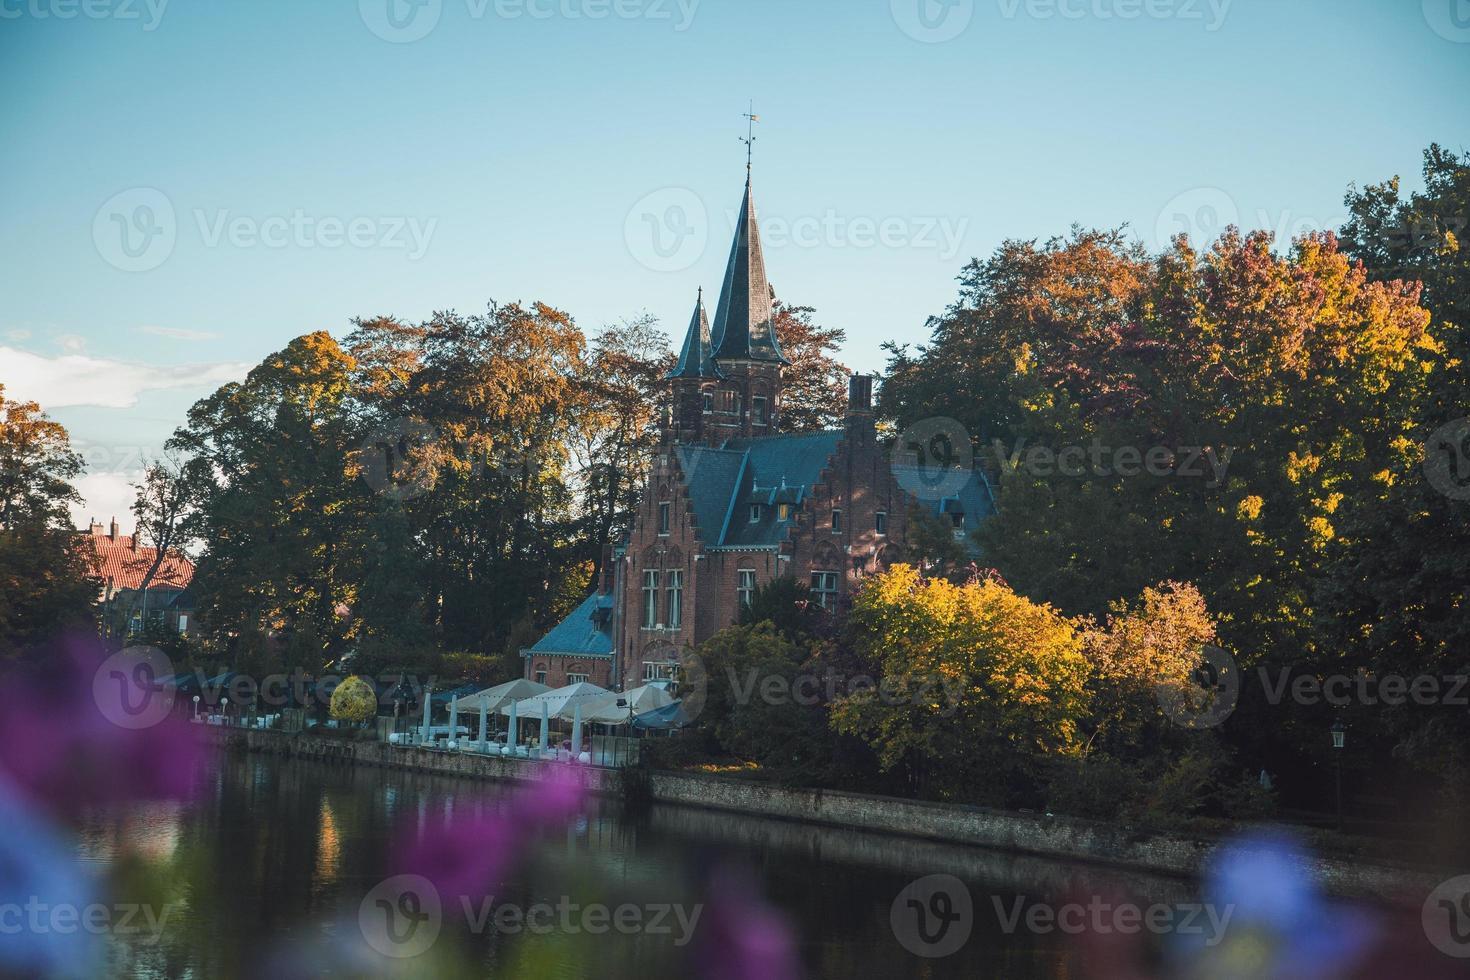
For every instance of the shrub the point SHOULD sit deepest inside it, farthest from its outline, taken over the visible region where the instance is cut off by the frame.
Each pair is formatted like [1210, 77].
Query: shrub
[354, 700]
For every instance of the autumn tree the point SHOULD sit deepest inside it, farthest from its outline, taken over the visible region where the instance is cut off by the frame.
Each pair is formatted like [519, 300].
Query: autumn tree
[44, 584]
[617, 434]
[975, 686]
[814, 384]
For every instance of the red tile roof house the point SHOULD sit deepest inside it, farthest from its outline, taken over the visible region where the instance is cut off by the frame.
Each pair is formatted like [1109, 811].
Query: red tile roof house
[120, 563]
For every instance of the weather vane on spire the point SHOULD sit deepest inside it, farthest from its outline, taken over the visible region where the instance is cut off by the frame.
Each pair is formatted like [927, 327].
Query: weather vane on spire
[749, 138]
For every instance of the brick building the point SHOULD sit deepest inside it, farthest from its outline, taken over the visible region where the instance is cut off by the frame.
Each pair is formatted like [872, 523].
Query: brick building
[120, 563]
[733, 502]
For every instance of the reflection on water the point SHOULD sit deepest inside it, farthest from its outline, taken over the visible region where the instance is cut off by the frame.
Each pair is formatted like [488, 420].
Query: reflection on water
[267, 870]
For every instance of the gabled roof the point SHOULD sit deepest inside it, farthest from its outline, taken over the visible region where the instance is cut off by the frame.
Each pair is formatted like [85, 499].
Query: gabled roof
[723, 483]
[695, 356]
[121, 561]
[743, 326]
[586, 632]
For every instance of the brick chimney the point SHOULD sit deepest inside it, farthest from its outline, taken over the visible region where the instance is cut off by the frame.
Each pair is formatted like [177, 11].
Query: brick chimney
[605, 575]
[112, 529]
[859, 422]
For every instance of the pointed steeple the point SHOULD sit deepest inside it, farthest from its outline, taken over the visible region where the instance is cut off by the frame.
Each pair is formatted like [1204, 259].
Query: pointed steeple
[743, 327]
[695, 356]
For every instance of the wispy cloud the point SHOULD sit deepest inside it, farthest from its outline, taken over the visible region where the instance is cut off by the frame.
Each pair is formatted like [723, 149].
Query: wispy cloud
[77, 379]
[178, 333]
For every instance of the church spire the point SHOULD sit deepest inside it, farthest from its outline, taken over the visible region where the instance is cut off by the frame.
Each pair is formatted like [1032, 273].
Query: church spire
[694, 357]
[743, 328]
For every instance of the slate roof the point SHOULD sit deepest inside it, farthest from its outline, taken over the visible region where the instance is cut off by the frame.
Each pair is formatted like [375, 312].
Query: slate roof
[973, 503]
[743, 327]
[724, 482]
[586, 632]
[695, 356]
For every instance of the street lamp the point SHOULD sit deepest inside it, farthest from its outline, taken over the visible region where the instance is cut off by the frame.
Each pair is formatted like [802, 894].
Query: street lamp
[1339, 738]
[196, 707]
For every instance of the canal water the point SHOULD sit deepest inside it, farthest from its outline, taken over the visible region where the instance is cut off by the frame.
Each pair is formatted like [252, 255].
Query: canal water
[277, 869]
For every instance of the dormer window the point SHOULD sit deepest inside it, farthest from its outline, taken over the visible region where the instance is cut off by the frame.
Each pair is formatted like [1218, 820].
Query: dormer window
[755, 513]
[783, 512]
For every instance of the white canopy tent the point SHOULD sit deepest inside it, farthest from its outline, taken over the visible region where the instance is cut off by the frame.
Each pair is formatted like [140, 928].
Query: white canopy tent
[640, 699]
[562, 702]
[501, 695]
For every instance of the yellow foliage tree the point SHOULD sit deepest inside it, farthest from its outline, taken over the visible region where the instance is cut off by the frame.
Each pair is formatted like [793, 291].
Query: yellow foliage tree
[978, 684]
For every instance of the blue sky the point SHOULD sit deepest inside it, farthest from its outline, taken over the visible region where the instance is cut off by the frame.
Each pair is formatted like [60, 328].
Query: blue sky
[189, 184]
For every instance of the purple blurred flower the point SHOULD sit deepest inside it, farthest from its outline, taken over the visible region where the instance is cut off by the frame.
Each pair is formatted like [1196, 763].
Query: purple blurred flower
[471, 851]
[58, 746]
[743, 937]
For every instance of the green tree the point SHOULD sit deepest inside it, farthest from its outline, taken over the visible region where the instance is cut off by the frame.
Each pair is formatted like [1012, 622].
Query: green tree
[44, 579]
[278, 502]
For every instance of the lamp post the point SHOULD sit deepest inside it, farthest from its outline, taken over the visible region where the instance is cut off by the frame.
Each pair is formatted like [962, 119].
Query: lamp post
[1339, 738]
[196, 707]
